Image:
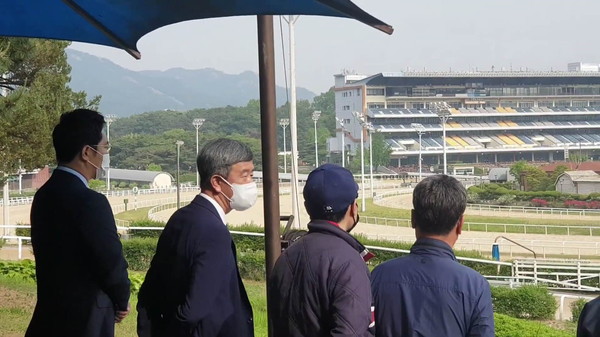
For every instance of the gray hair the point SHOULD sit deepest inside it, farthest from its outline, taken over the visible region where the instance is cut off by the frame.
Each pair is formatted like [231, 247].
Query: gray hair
[438, 202]
[217, 157]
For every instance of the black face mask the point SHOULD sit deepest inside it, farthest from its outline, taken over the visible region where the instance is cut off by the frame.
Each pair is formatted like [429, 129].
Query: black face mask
[355, 223]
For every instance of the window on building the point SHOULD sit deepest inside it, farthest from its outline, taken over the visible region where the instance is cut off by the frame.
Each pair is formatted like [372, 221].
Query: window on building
[346, 108]
[375, 92]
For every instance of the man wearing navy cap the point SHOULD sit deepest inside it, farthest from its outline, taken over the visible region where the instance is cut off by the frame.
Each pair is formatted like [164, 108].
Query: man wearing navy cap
[320, 285]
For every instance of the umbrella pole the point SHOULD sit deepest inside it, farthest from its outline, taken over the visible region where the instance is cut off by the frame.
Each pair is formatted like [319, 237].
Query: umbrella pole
[268, 122]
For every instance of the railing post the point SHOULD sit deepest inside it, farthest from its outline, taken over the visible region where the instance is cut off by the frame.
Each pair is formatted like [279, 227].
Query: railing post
[535, 276]
[20, 243]
[579, 275]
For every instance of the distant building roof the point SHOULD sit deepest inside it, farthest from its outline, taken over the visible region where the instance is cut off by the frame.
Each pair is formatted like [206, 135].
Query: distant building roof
[135, 175]
[583, 176]
[571, 166]
[500, 173]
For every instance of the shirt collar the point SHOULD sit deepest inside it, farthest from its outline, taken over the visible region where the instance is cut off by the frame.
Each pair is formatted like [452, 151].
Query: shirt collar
[75, 173]
[432, 247]
[217, 206]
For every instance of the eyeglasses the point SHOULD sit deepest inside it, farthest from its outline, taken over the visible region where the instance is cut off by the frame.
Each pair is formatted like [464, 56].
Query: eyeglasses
[106, 147]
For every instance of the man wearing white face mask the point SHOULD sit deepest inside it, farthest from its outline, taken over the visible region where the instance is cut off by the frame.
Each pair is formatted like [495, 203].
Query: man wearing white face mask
[82, 282]
[193, 287]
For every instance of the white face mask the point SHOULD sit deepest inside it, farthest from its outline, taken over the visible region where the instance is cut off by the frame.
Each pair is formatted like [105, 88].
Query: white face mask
[105, 163]
[244, 196]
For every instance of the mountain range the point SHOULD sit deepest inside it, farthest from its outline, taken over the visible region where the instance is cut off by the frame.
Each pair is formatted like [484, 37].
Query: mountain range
[126, 92]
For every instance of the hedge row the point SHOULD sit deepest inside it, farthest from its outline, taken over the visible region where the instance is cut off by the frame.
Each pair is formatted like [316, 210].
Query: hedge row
[494, 191]
[530, 302]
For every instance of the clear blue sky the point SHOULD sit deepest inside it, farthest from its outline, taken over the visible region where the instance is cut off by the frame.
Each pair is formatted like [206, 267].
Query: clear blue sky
[431, 34]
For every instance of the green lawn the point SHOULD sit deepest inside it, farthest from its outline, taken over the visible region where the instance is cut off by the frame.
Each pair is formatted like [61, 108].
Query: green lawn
[134, 215]
[389, 212]
[17, 300]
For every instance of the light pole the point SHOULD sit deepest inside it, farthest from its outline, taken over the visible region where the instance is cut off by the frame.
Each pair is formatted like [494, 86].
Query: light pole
[420, 131]
[361, 120]
[341, 121]
[108, 119]
[178, 143]
[197, 122]
[371, 130]
[442, 111]
[284, 122]
[315, 118]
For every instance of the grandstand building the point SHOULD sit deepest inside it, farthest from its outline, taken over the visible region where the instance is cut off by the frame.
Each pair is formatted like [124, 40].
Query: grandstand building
[493, 116]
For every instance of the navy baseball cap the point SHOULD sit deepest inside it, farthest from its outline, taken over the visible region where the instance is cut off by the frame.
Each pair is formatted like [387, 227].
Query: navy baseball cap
[329, 189]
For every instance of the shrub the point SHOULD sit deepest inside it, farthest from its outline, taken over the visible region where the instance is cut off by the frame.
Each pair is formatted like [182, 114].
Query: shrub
[532, 302]
[252, 265]
[23, 231]
[143, 233]
[539, 202]
[506, 199]
[577, 308]
[136, 280]
[511, 327]
[139, 252]
[24, 270]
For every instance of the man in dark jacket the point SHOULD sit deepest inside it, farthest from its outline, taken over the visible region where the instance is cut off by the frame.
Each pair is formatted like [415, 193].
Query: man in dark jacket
[82, 283]
[193, 287]
[320, 284]
[589, 319]
[428, 293]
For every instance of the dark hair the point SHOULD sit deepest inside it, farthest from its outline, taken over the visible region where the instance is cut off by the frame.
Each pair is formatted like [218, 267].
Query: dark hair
[217, 157]
[438, 203]
[76, 129]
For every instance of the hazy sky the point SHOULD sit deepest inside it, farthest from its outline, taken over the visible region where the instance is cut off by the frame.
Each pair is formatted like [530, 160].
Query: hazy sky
[431, 34]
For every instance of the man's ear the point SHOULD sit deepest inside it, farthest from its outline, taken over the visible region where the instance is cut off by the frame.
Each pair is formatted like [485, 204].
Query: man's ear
[86, 153]
[412, 218]
[215, 183]
[459, 224]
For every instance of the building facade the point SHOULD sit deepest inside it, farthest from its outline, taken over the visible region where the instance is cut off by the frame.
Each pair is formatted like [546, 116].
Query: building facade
[493, 116]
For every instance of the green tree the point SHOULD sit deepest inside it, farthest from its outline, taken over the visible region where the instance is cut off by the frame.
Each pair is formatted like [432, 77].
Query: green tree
[381, 151]
[36, 77]
[154, 167]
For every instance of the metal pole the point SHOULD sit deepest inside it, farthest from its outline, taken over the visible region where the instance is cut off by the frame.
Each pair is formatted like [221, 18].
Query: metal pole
[420, 158]
[293, 121]
[266, 56]
[108, 168]
[315, 118]
[5, 207]
[371, 157]
[178, 143]
[108, 119]
[284, 153]
[362, 167]
[197, 151]
[343, 146]
[316, 146]
[197, 122]
[444, 142]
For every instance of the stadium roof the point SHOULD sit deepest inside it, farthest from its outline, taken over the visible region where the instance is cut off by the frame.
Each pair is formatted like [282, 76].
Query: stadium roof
[503, 78]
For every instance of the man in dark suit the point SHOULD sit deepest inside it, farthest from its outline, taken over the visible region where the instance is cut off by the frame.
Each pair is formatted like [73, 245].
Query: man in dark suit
[193, 287]
[82, 282]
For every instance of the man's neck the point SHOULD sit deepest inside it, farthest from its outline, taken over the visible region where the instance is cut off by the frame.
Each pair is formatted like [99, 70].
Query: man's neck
[218, 198]
[77, 167]
[449, 239]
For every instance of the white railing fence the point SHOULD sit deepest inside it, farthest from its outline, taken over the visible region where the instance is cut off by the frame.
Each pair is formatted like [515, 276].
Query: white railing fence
[569, 230]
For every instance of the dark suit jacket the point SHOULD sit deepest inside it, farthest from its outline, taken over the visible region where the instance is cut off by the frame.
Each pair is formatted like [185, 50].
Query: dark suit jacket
[81, 273]
[193, 287]
[589, 319]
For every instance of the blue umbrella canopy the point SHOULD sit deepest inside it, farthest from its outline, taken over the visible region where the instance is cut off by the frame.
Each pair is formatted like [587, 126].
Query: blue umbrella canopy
[121, 23]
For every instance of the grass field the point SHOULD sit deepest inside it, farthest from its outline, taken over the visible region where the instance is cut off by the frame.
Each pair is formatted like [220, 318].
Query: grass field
[17, 299]
[134, 215]
[496, 224]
